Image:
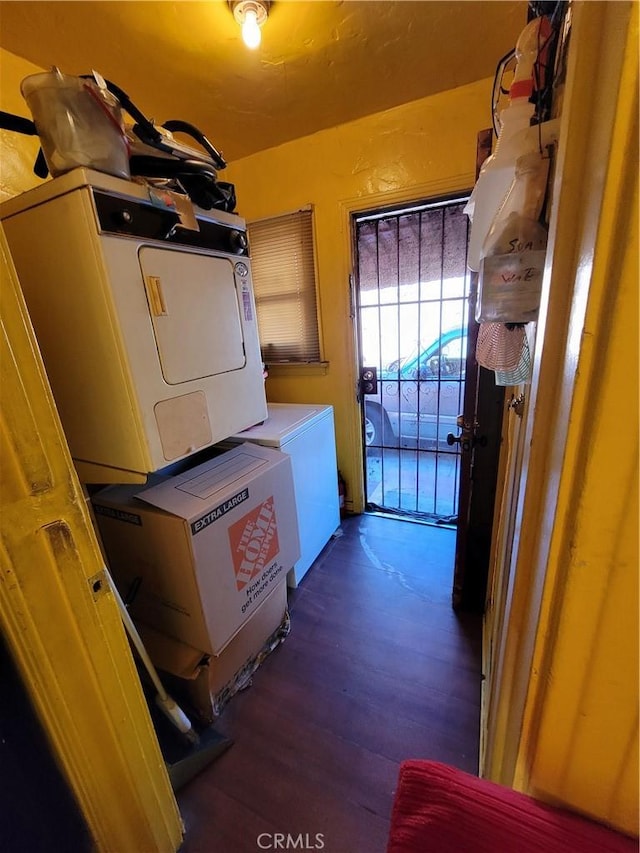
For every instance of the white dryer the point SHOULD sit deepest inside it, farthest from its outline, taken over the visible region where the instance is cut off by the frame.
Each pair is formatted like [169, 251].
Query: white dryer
[145, 317]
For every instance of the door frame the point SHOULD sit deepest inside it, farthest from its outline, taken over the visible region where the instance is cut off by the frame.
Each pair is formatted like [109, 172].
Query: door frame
[480, 465]
[588, 216]
[381, 211]
[469, 577]
[450, 186]
[60, 618]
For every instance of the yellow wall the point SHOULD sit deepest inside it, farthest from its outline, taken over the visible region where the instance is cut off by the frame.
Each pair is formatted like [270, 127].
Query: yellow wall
[424, 148]
[18, 151]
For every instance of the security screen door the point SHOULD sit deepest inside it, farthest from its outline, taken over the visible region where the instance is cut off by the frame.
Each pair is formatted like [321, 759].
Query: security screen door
[412, 288]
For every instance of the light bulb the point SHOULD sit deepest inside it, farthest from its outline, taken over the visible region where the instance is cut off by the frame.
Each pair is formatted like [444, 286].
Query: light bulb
[250, 30]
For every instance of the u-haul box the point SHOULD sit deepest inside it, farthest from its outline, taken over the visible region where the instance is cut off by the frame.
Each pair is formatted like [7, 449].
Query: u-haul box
[199, 552]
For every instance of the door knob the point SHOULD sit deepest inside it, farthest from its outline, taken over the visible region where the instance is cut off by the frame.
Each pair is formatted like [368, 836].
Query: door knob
[469, 437]
[464, 441]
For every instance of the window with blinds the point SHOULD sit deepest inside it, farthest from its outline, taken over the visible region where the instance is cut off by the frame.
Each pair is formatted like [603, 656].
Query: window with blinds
[284, 280]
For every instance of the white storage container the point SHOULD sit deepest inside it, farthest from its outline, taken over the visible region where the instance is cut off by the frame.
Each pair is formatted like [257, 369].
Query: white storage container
[306, 433]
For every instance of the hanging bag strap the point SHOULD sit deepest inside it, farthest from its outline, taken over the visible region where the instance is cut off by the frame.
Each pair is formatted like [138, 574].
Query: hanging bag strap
[177, 126]
[8, 121]
[146, 131]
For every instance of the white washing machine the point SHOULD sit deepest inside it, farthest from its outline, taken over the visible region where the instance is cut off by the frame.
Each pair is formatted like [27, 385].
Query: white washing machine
[306, 433]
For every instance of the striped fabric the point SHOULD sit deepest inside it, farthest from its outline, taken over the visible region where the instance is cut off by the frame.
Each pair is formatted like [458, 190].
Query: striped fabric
[438, 808]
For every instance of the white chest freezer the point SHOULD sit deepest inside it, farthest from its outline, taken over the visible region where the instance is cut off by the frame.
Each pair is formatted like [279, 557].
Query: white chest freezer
[306, 433]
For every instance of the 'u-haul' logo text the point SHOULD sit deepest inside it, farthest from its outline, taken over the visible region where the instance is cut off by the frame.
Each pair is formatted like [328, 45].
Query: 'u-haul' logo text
[254, 542]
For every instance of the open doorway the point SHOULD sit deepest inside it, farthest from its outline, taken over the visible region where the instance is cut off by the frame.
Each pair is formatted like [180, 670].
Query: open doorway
[412, 290]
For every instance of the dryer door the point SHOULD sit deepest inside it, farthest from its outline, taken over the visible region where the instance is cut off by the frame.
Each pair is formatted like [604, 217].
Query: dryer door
[195, 313]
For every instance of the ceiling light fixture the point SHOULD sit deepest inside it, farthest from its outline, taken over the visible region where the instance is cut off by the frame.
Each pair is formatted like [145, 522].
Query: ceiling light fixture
[251, 15]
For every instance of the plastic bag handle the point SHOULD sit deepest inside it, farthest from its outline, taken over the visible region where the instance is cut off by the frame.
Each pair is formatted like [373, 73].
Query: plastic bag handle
[146, 132]
[162, 167]
[185, 127]
[144, 128]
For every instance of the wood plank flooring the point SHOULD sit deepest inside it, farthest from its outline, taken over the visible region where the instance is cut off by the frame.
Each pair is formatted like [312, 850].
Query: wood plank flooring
[377, 668]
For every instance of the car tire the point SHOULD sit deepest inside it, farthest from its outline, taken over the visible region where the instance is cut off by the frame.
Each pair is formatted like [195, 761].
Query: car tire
[372, 427]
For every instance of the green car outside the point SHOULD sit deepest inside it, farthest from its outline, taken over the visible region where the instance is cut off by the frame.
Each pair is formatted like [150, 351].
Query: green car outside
[420, 397]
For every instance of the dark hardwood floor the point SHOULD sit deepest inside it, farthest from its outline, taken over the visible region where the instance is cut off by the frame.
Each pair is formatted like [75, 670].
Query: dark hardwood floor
[377, 668]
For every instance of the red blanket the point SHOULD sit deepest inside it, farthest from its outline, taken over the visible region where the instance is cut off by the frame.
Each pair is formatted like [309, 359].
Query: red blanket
[440, 809]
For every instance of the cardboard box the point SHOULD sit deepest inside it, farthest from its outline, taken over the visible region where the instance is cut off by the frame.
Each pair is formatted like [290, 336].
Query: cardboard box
[205, 684]
[204, 548]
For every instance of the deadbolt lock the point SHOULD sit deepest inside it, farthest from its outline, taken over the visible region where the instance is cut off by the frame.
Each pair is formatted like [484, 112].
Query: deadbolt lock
[369, 380]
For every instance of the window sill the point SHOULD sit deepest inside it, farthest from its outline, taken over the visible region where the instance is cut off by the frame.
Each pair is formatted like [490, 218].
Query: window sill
[298, 368]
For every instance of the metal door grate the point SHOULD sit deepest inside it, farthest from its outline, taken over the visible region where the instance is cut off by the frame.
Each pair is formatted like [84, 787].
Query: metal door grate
[412, 291]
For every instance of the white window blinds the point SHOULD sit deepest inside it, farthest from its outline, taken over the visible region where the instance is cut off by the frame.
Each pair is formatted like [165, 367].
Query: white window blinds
[284, 280]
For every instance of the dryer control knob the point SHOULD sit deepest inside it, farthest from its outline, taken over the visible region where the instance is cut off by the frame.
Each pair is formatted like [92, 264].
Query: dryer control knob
[124, 217]
[238, 242]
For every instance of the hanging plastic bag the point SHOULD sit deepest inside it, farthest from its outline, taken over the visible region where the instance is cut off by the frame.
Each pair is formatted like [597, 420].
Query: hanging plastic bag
[514, 136]
[514, 252]
[79, 123]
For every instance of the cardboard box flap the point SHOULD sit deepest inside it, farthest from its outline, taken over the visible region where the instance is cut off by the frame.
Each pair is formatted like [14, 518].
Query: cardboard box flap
[187, 494]
[125, 493]
[170, 654]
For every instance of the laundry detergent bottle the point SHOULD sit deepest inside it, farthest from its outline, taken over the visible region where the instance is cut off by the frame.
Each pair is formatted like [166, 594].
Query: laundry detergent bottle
[497, 172]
